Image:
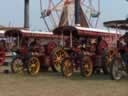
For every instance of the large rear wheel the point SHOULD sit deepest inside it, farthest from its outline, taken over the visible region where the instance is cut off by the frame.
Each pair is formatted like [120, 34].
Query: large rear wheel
[67, 67]
[107, 59]
[17, 65]
[106, 64]
[116, 68]
[58, 55]
[86, 66]
[33, 66]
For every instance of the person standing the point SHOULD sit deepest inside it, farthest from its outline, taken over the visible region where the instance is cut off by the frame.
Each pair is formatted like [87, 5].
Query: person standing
[125, 48]
[101, 45]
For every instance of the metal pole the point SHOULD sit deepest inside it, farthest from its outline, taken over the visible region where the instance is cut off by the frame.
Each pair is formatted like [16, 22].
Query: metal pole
[18, 42]
[62, 39]
[46, 24]
[77, 12]
[116, 37]
[26, 14]
[70, 39]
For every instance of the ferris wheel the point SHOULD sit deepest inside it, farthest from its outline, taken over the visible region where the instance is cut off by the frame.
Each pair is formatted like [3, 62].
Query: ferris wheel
[61, 12]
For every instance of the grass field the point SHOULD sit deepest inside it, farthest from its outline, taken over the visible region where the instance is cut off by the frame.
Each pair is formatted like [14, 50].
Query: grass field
[53, 84]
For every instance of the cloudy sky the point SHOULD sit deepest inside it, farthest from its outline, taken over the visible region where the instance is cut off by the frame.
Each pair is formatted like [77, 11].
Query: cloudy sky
[12, 12]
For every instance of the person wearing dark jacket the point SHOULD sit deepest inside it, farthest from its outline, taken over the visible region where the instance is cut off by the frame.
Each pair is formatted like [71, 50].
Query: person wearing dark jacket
[125, 48]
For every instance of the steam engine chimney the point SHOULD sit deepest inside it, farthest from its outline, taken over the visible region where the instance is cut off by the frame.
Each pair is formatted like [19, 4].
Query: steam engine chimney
[77, 12]
[26, 14]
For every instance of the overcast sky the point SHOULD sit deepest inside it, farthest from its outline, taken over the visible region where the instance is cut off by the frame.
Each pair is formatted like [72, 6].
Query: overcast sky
[12, 12]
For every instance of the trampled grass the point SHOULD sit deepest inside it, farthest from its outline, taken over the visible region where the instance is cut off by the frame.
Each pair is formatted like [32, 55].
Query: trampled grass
[53, 84]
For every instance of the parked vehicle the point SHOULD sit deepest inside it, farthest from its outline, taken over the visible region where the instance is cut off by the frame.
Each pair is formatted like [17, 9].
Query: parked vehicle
[82, 56]
[30, 53]
[119, 63]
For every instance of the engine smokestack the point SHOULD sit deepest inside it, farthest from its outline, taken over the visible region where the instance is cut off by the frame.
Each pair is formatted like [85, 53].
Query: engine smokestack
[26, 14]
[77, 12]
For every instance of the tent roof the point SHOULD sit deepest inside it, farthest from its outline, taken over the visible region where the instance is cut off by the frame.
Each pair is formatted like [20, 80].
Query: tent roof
[65, 30]
[120, 24]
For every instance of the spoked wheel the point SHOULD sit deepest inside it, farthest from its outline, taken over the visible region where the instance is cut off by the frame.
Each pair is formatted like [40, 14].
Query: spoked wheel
[86, 66]
[107, 64]
[33, 65]
[116, 69]
[107, 60]
[58, 56]
[67, 67]
[17, 65]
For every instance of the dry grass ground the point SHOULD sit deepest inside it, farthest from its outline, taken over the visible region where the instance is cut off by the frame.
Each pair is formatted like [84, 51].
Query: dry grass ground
[53, 84]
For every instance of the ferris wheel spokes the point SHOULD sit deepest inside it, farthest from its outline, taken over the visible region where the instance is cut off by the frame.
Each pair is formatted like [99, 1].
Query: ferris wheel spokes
[54, 11]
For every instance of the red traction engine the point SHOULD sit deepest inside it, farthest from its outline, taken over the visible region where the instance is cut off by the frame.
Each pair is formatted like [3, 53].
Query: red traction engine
[119, 62]
[71, 58]
[23, 60]
[32, 58]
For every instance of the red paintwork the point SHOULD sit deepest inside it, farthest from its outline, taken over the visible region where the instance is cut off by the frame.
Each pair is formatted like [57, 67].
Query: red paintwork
[24, 50]
[51, 46]
[107, 36]
[94, 33]
[126, 49]
[2, 56]
[102, 45]
[40, 35]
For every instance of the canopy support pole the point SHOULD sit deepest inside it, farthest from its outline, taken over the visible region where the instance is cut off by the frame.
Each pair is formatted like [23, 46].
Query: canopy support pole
[70, 39]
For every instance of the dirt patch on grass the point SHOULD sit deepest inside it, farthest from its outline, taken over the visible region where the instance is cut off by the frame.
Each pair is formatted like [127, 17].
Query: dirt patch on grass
[53, 84]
